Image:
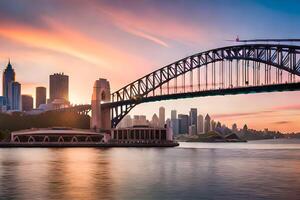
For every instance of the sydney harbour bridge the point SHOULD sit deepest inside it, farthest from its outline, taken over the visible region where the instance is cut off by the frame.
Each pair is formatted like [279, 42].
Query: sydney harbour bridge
[231, 70]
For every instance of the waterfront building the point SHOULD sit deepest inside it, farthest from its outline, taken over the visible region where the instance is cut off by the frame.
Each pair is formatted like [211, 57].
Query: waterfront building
[8, 77]
[200, 124]
[14, 96]
[183, 124]
[40, 96]
[55, 135]
[27, 103]
[162, 117]
[207, 124]
[59, 87]
[141, 135]
[193, 120]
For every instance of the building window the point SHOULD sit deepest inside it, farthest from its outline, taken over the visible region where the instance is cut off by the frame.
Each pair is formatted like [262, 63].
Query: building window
[163, 135]
[152, 134]
[132, 134]
[142, 134]
[157, 134]
[125, 135]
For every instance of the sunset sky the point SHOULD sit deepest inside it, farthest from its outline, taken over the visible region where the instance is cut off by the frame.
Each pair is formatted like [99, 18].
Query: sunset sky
[124, 40]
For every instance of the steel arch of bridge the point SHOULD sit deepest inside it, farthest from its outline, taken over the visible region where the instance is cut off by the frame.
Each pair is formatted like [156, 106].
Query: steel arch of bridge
[282, 57]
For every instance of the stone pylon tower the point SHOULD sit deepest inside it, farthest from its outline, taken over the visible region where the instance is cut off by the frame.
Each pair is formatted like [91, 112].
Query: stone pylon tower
[100, 120]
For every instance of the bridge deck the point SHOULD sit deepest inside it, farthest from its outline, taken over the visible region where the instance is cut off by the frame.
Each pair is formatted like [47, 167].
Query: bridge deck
[217, 92]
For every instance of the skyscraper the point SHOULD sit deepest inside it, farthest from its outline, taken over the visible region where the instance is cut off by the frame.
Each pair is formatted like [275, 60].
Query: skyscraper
[183, 124]
[155, 121]
[193, 120]
[162, 118]
[173, 114]
[40, 96]
[200, 125]
[14, 96]
[27, 102]
[174, 122]
[207, 124]
[59, 87]
[8, 77]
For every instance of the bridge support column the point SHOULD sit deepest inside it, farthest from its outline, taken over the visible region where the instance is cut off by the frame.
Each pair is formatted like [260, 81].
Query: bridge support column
[100, 120]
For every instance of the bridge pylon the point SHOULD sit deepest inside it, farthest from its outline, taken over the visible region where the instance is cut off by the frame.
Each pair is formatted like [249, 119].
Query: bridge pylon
[101, 118]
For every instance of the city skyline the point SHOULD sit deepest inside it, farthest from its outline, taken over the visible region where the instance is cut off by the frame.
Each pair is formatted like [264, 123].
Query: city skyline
[86, 48]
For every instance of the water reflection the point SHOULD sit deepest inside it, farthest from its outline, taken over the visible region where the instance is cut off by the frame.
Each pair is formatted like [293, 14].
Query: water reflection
[150, 173]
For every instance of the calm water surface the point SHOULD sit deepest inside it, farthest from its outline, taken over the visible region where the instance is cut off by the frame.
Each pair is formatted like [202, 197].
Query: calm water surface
[267, 169]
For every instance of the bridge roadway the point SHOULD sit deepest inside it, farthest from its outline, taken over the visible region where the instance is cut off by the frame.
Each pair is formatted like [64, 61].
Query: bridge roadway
[214, 92]
[203, 93]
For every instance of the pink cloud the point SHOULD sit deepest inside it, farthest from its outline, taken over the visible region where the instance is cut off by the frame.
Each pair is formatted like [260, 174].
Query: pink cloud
[155, 26]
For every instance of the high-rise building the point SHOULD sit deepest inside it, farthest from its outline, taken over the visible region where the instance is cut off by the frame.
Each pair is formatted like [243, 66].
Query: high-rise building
[192, 129]
[193, 120]
[27, 102]
[8, 77]
[155, 121]
[200, 125]
[173, 114]
[162, 117]
[207, 124]
[139, 120]
[175, 126]
[14, 96]
[40, 96]
[183, 124]
[59, 87]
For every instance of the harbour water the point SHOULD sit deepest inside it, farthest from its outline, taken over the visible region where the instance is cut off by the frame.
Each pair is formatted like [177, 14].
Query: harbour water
[268, 169]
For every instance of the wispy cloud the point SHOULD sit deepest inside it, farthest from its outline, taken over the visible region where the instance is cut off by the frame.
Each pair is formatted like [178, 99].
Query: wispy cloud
[154, 25]
[234, 115]
[282, 122]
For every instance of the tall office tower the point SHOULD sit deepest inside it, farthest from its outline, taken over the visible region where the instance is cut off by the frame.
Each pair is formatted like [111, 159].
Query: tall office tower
[183, 124]
[192, 129]
[59, 87]
[8, 77]
[207, 124]
[40, 96]
[27, 102]
[162, 117]
[155, 121]
[173, 114]
[14, 96]
[174, 122]
[193, 120]
[200, 125]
